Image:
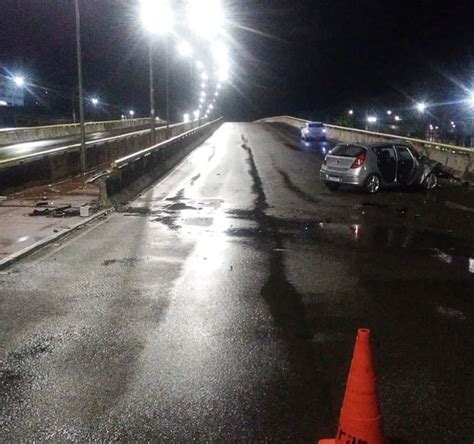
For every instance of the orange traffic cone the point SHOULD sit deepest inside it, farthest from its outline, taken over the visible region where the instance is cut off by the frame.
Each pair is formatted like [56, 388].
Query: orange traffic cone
[360, 421]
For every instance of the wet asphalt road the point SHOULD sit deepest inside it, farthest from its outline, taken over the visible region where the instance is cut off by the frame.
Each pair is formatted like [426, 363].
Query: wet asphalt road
[222, 305]
[14, 150]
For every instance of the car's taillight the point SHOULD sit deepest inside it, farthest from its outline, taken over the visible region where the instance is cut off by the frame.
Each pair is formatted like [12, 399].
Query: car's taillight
[360, 159]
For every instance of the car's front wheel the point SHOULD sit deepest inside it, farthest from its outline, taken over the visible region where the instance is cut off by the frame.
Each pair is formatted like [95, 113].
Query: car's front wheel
[430, 182]
[331, 186]
[372, 184]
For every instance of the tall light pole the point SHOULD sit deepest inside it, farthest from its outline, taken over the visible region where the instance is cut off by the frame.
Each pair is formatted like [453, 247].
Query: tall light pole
[152, 91]
[167, 86]
[81, 94]
[158, 18]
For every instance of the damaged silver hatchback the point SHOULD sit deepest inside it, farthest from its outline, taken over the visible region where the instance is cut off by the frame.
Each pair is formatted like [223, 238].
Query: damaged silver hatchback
[378, 165]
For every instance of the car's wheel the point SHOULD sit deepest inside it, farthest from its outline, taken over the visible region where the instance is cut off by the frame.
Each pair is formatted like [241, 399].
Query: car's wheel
[372, 184]
[431, 181]
[331, 186]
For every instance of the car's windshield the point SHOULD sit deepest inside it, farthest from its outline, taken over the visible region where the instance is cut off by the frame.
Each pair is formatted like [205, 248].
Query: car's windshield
[315, 125]
[347, 150]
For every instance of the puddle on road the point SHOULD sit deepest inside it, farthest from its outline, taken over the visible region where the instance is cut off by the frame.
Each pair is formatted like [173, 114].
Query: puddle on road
[180, 206]
[127, 261]
[450, 313]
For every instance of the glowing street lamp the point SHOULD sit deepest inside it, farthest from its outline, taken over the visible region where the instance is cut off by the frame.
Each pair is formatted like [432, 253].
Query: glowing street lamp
[196, 114]
[131, 112]
[471, 99]
[186, 118]
[397, 118]
[350, 112]
[19, 81]
[95, 101]
[204, 76]
[206, 17]
[185, 49]
[371, 119]
[389, 113]
[421, 107]
[157, 16]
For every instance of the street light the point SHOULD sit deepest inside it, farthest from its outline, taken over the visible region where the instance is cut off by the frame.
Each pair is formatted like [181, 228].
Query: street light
[389, 113]
[471, 99]
[206, 17]
[157, 18]
[185, 49]
[421, 107]
[196, 114]
[19, 81]
[186, 118]
[131, 112]
[82, 124]
[350, 112]
[372, 119]
[95, 101]
[397, 118]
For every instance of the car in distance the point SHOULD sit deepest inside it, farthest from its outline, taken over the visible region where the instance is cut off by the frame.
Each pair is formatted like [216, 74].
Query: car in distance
[377, 165]
[313, 131]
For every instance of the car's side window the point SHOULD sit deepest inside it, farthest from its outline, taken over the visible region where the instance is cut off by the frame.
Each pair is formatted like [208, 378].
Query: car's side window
[404, 154]
[386, 154]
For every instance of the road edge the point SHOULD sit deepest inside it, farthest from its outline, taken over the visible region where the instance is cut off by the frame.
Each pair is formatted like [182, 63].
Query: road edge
[15, 257]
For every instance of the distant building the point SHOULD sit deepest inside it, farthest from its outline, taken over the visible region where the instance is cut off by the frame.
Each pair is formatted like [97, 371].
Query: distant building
[10, 93]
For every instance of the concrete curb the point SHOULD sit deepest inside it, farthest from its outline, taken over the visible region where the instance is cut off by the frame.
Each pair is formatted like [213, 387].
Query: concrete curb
[15, 257]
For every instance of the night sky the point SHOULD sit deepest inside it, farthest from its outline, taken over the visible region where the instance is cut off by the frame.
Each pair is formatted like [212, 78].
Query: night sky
[310, 58]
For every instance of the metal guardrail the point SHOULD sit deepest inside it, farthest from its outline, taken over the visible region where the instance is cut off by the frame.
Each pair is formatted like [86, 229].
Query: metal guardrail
[74, 147]
[426, 143]
[126, 160]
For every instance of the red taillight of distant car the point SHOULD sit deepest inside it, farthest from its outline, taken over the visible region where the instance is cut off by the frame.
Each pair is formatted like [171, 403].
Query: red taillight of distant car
[360, 159]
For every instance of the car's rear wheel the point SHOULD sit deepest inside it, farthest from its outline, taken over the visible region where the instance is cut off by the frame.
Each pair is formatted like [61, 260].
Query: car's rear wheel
[331, 186]
[372, 184]
[431, 181]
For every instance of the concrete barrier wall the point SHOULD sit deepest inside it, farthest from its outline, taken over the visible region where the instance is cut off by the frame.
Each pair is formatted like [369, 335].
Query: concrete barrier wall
[457, 161]
[60, 163]
[132, 174]
[52, 131]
